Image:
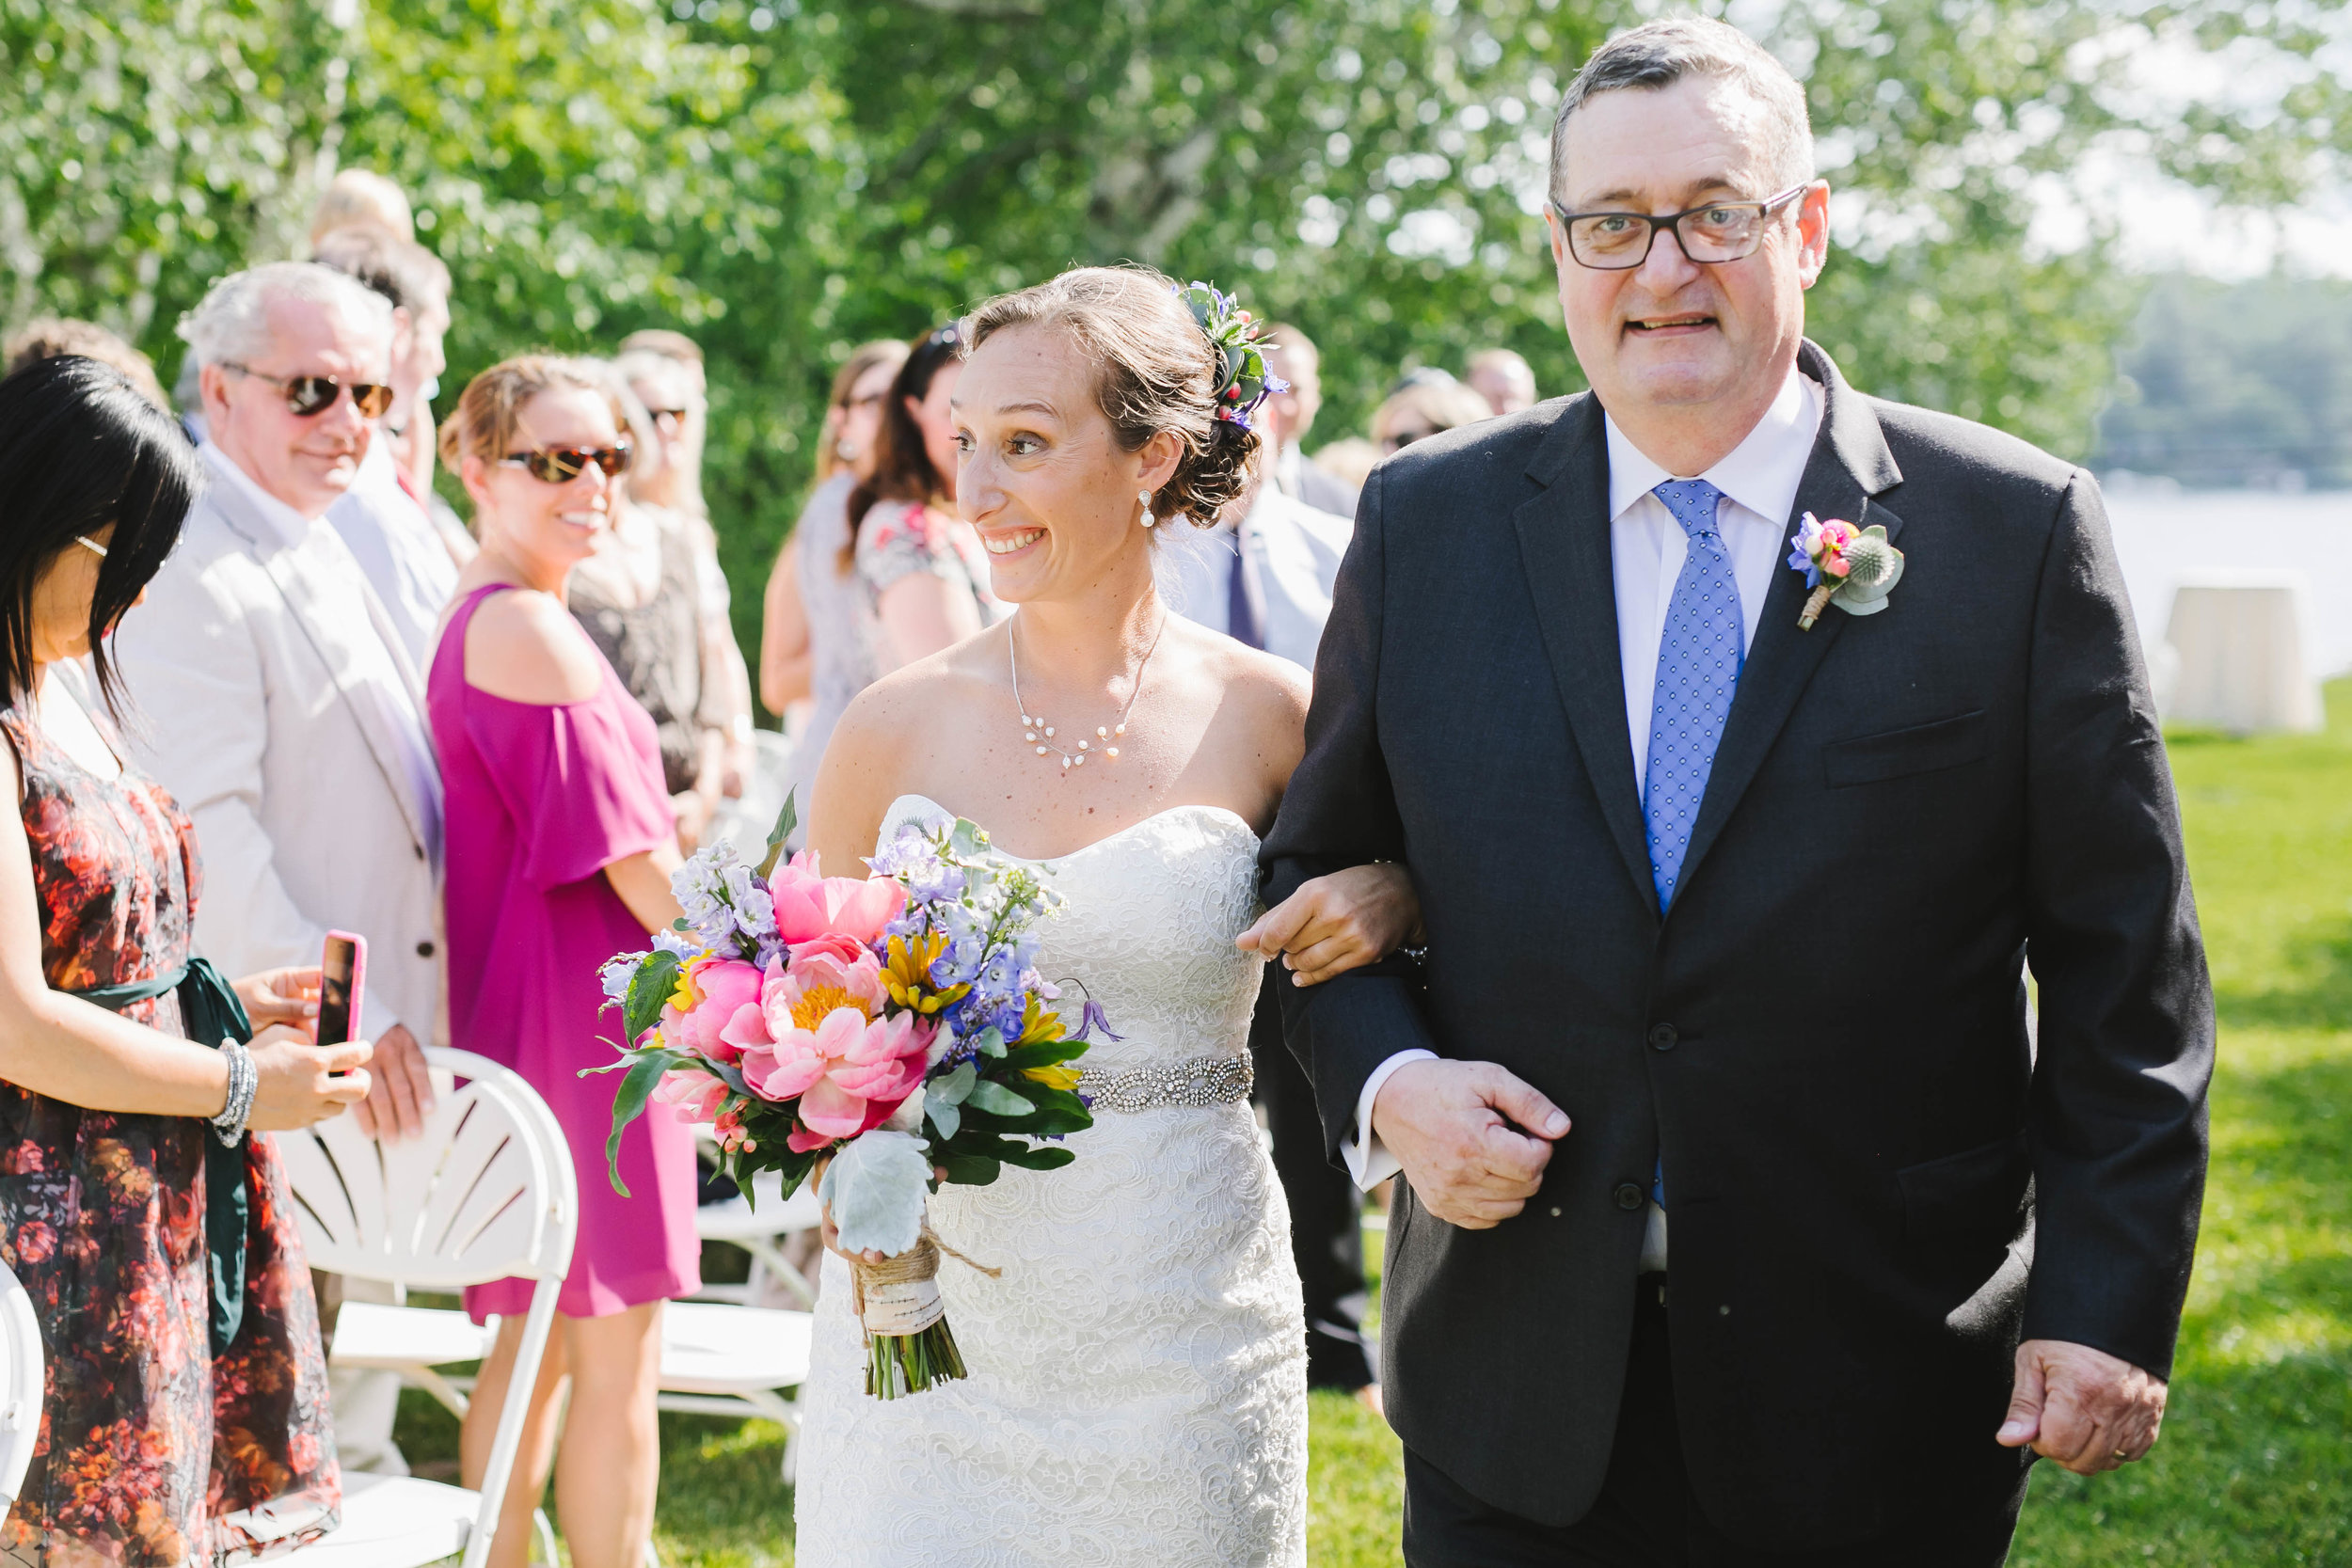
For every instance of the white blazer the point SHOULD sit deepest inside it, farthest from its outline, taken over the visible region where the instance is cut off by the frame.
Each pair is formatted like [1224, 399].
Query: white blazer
[271, 694]
[1291, 555]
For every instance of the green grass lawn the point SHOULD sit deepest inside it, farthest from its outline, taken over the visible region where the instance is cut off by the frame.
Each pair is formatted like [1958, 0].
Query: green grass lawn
[2255, 1466]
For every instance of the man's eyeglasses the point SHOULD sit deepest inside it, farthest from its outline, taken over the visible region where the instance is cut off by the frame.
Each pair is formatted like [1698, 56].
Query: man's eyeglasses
[1716, 232]
[310, 395]
[562, 464]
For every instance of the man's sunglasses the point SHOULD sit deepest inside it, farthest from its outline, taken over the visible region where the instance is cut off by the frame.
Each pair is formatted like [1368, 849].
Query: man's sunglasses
[308, 395]
[562, 464]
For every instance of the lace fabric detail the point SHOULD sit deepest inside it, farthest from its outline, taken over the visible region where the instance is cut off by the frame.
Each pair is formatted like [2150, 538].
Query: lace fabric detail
[1138, 1373]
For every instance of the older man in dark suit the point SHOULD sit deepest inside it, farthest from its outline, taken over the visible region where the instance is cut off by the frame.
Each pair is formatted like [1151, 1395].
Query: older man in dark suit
[1729, 909]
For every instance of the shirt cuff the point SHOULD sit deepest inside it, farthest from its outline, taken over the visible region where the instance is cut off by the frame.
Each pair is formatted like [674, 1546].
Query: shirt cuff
[1369, 1162]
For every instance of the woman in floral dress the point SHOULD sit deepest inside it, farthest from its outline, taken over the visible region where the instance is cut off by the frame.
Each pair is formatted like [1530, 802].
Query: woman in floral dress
[154, 1449]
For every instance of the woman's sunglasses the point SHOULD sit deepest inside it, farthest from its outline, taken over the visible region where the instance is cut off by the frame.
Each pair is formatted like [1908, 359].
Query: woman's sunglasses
[308, 395]
[562, 464]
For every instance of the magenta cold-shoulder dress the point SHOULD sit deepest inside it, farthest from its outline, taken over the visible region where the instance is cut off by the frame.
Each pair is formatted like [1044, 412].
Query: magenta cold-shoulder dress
[539, 798]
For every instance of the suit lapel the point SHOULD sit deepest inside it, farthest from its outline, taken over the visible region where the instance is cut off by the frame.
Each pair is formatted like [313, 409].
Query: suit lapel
[1850, 465]
[1563, 540]
[280, 563]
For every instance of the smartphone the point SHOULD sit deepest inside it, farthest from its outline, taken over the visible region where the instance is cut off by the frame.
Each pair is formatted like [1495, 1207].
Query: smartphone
[343, 973]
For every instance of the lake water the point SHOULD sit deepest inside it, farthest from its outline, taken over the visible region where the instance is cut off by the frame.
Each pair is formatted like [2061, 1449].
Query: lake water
[2162, 536]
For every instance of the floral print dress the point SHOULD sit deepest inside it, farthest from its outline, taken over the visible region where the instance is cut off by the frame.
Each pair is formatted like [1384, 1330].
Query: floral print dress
[152, 1452]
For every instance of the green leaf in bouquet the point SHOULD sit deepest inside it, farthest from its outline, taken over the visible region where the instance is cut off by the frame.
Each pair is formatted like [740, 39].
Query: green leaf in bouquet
[970, 1170]
[949, 1088]
[1048, 1157]
[946, 1119]
[968, 838]
[1043, 1054]
[989, 1041]
[787, 821]
[649, 990]
[726, 1072]
[875, 1188]
[993, 1098]
[637, 1087]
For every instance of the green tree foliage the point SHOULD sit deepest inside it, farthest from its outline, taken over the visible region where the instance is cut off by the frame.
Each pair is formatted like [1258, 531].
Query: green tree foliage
[785, 178]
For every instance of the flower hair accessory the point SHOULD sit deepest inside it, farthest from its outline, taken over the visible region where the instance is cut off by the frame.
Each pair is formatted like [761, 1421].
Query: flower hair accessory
[1242, 381]
[1853, 568]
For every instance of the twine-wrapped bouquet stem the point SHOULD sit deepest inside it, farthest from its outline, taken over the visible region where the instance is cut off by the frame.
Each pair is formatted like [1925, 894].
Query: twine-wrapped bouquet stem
[909, 1345]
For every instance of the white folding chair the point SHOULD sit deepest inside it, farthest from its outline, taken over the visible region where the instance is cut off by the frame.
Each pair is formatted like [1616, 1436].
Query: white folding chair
[20, 1386]
[486, 1193]
[756, 1227]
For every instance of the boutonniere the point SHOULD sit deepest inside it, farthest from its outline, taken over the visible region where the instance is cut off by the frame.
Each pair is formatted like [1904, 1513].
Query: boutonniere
[1853, 568]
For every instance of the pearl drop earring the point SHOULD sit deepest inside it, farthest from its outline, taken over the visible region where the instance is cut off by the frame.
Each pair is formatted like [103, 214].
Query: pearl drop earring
[1144, 496]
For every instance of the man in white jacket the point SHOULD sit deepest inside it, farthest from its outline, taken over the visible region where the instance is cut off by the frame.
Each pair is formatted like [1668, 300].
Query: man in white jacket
[274, 697]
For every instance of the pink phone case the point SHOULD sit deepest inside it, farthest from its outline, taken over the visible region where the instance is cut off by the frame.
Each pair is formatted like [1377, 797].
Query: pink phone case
[358, 978]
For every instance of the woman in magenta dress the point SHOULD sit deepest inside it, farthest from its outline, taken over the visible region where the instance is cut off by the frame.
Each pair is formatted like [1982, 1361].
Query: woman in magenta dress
[560, 847]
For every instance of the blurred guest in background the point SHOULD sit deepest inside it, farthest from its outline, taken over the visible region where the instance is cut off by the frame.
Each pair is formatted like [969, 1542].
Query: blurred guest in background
[280, 701]
[663, 373]
[157, 1446]
[818, 639]
[639, 595]
[384, 518]
[53, 336]
[361, 196]
[921, 567]
[561, 850]
[1350, 460]
[1425, 403]
[1286, 418]
[1502, 378]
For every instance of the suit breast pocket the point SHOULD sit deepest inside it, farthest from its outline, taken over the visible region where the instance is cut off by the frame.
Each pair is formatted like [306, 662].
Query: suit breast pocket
[1952, 742]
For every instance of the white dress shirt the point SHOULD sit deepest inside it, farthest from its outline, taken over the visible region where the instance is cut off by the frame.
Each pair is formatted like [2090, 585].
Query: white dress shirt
[1291, 555]
[397, 545]
[1647, 549]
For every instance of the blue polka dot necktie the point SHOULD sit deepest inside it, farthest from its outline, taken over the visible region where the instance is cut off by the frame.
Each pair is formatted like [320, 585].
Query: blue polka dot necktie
[1699, 655]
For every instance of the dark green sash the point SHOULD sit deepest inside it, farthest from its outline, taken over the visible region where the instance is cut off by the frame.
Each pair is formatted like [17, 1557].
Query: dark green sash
[212, 1013]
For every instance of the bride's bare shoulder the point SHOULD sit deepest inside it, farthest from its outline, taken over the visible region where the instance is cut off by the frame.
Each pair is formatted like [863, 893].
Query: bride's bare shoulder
[1266, 694]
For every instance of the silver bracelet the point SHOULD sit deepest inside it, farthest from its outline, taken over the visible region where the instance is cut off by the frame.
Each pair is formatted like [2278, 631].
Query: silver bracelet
[244, 1078]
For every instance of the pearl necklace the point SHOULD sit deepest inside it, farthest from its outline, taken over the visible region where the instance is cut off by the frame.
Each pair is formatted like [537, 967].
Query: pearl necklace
[1039, 733]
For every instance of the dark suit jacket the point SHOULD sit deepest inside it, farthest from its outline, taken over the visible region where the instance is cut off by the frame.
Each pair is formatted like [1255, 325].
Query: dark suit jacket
[1873, 1186]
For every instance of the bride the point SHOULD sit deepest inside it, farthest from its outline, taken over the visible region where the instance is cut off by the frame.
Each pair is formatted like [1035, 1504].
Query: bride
[1137, 1391]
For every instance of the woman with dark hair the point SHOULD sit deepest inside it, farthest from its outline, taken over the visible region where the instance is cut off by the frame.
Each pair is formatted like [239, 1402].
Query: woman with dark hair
[185, 1416]
[920, 567]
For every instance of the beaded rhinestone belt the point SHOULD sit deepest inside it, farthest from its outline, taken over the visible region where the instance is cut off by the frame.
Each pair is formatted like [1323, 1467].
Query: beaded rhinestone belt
[1200, 1081]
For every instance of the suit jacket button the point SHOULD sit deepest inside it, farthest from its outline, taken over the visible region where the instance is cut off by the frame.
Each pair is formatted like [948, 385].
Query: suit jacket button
[1663, 1036]
[424, 950]
[1629, 1195]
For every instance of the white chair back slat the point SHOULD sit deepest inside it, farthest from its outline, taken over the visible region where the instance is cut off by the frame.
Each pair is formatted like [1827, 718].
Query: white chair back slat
[477, 1197]
[486, 1193]
[20, 1393]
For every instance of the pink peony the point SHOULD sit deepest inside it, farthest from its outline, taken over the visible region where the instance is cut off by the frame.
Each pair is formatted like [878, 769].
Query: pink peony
[810, 906]
[848, 1072]
[833, 944]
[722, 987]
[695, 1095]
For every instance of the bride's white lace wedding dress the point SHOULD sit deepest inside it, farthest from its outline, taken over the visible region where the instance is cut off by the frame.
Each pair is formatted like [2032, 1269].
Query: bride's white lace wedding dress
[1138, 1387]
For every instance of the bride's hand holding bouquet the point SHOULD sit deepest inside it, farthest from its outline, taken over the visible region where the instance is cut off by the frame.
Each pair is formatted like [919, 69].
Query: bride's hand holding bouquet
[892, 1030]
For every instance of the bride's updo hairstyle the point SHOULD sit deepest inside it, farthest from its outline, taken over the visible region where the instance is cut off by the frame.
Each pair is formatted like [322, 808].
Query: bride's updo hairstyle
[1156, 368]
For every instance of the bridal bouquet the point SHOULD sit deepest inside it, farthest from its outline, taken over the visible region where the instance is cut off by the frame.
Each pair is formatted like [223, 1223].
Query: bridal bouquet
[893, 1025]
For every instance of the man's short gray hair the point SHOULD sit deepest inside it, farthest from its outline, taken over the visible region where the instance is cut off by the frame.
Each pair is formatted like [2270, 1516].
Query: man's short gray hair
[232, 322]
[1660, 54]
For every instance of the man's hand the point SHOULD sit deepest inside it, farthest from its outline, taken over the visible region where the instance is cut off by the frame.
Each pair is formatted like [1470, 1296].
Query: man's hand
[1462, 1131]
[402, 1095]
[2082, 1407]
